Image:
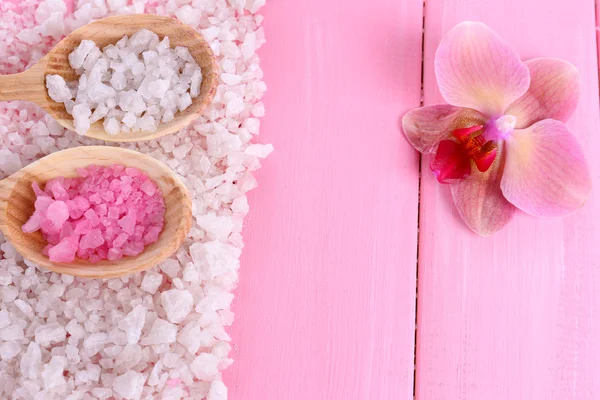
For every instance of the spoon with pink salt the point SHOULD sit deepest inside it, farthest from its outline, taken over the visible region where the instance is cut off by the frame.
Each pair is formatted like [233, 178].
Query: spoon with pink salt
[17, 198]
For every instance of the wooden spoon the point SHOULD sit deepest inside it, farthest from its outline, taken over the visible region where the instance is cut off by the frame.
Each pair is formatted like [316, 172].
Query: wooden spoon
[31, 84]
[17, 199]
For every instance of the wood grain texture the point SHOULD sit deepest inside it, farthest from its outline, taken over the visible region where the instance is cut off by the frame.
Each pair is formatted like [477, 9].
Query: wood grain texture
[31, 84]
[325, 307]
[17, 205]
[515, 316]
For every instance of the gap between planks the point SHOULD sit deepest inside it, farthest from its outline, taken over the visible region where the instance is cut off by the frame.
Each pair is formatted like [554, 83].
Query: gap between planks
[422, 102]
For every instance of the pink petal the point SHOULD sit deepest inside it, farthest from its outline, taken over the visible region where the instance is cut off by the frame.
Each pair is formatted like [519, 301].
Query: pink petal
[479, 199]
[450, 162]
[546, 173]
[553, 93]
[476, 69]
[425, 127]
[485, 160]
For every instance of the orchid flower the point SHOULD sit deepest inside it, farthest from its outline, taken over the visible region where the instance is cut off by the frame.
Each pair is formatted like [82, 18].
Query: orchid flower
[501, 142]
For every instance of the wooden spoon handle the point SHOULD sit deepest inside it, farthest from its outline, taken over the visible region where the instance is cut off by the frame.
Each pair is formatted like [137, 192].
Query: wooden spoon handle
[27, 85]
[6, 187]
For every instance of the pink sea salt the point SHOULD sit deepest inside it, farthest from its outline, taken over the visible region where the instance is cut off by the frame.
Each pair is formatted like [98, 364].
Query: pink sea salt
[105, 213]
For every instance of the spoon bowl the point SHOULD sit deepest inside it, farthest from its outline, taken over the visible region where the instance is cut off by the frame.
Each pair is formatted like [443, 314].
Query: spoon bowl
[17, 205]
[31, 84]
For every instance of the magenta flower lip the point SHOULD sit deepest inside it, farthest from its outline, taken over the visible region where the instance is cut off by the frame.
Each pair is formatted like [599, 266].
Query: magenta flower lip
[501, 142]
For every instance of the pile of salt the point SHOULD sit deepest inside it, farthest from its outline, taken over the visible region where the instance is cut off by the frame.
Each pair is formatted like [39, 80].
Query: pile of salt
[133, 85]
[107, 213]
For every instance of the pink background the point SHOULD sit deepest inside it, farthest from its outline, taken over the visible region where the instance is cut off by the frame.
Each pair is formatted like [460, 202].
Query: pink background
[326, 304]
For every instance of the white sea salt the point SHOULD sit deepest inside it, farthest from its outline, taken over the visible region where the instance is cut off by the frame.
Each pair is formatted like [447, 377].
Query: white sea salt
[57, 88]
[129, 76]
[205, 366]
[161, 332]
[151, 282]
[9, 349]
[133, 323]
[129, 385]
[52, 374]
[217, 391]
[11, 332]
[177, 304]
[214, 160]
[31, 361]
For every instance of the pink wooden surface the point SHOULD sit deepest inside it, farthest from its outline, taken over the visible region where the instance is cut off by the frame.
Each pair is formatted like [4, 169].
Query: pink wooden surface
[516, 316]
[326, 302]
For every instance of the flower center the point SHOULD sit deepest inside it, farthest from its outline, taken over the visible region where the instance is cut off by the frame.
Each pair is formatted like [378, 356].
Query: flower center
[500, 128]
[453, 158]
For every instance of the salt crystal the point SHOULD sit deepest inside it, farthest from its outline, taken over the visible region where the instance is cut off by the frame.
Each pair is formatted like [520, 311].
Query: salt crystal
[112, 126]
[92, 239]
[9, 350]
[9, 294]
[77, 57]
[57, 88]
[151, 282]
[215, 258]
[133, 323]
[259, 150]
[170, 267]
[205, 366]
[158, 88]
[195, 83]
[231, 79]
[31, 361]
[75, 330]
[50, 333]
[12, 332]
[217, 391]
[64, 251]
[160, 332]
[28, 36]
[240, 205]
[100, 392]
[147, 123]
[95, 341]
[5, 318]
[25, 308]
[93, 372]
[234, 107]
[168, 115]
[52, 374]
[99, 113]
[189, 15]
[172, 393]
[5, 278]
[11, 164]
[184, 101]
[211, 33]
[118, 80]
[141, 39]
[128, 358]
[190, 337]
[177, 304]
[81, 115]
[138, 68]
[129, 385]
[129, 119]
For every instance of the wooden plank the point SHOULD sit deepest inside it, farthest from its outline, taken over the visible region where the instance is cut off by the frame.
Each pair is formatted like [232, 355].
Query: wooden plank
[515, 316]
[325, 307]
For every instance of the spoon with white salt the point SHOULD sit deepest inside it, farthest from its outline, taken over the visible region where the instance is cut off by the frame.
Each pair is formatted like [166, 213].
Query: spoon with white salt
[17, 204]
[30, 85]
